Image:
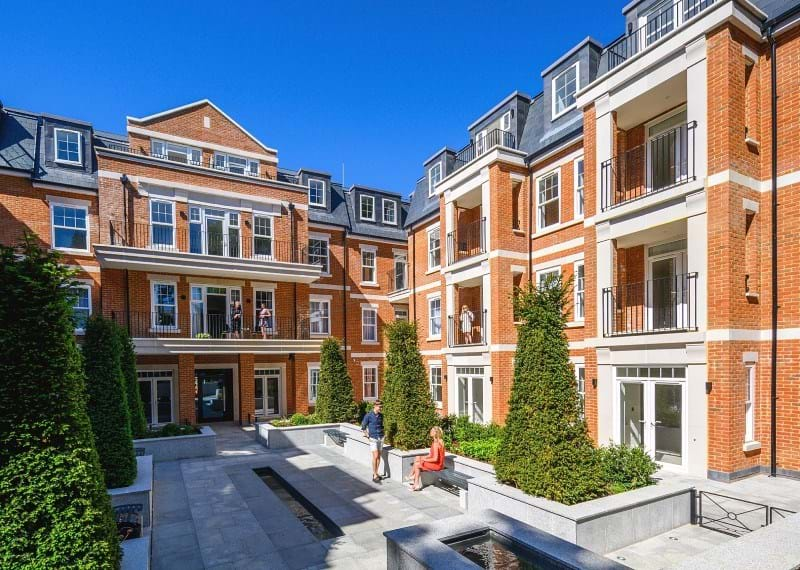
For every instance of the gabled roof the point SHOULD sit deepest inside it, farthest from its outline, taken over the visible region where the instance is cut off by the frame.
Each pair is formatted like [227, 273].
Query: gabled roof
[168, 112]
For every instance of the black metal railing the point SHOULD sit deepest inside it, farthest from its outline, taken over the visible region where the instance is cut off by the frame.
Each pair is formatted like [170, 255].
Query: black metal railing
[281, 175]
[495, 137]
[467, 328]
[165, 323]
[731, 515]
[398, 278]
[199, 240]
[467, 240]
[658, 25]
[777, 513]
[667, 304]
[664, 161]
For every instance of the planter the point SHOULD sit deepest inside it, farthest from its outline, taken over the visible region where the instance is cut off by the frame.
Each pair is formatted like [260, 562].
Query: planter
[472, 467]
[292, 436]
[600, 525]
[203, 444]
[141, 492]
[136, 553]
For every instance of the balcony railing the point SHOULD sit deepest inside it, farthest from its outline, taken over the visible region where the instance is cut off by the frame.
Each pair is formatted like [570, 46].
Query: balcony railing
[166, 324]
[467, 329]
[282, 175]
[658, 25]
[667, 304]
[198, 240]
[665, 161]
[398, 279]
[468, 240]
[495, 137]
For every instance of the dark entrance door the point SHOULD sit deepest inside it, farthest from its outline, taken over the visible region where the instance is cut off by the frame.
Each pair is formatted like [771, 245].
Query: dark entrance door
[214, 395]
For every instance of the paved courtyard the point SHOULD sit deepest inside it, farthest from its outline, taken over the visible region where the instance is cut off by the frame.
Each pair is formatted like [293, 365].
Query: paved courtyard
[216, 513]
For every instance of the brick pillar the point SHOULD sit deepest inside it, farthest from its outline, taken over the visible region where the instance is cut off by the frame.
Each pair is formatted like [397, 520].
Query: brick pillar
[186, 389]
[247, 388]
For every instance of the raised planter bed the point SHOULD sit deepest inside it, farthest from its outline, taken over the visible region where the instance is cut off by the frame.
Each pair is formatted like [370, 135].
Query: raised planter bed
[601, 525]
[140, 492]
[291, 436]
[203, 444]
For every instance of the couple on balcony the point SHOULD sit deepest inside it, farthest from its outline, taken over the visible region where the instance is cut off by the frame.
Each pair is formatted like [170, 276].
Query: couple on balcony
[264, 320]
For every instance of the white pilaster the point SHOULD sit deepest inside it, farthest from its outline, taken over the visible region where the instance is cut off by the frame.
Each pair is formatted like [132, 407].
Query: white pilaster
[605, 271]
[697, 254]
[697, 105]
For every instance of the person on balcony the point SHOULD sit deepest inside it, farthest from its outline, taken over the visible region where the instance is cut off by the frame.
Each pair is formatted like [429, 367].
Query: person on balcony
[236, 319]
[466, 318]
[264, 320]
[434, 461]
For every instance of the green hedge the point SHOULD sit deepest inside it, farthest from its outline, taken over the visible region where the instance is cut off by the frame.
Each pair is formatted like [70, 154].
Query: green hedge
[54, 509]
[127, 363]
[107, 403]
[171, 430]
[335, 389]
[626, 468]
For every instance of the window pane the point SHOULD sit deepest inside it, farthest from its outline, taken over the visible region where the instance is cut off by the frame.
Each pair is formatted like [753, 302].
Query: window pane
[81, 308]
[145, 388]
[68, 146]
[164, 398]
[318, 253]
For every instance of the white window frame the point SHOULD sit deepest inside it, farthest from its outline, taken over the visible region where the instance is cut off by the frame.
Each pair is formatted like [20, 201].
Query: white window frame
[326, 271]
[153, 381]
[56, 132]
[434, 180]
[544, 272]
[161, 224]
[393, 205]
[374, 252]
[568, 108]
[365, 366]
[270, 237]
[431, 300]
[579, 289]
[191, 151]
[581, 367]
[579, 196]
[540, 206]
[361, 202]
[367, 309]
[321, 299]
[480, 142]
[506, 117]
[750, 404]
[312, 367]
[88, 288]
[74, 205]
[430, 231]
[322, 183]
[226, 167]
[403, 312]
[153, 305]
[438, 367]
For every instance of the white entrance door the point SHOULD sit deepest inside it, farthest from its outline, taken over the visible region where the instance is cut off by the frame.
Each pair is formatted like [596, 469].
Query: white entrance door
[268, 392]
[469, 384]
[666, 287]
[651, 412]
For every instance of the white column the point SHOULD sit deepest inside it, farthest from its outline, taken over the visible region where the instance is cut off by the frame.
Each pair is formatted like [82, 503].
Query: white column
[486, 303]
[697, 256]
[449, 225]
[605, 269]
[697, 106]
[604, 146]
[486, 197]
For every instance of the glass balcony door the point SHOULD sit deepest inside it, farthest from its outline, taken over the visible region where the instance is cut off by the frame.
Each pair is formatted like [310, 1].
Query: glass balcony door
[212, 309]
[268, 392]
[469, 386]
[666, 295]
[667, 152]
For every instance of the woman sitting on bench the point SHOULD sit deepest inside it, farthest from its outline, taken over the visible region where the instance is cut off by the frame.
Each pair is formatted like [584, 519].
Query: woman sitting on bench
[434, 461]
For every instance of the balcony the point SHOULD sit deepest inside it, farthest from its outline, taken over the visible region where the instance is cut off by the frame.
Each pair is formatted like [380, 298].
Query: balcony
[483, 144]
[658, 24]
[209, 251]
[468, 240]
[466, 329]
[663, 162]
[663, 305]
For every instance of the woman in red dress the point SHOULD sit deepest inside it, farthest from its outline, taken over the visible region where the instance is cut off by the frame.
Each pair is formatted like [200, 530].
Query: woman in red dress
[434, 461]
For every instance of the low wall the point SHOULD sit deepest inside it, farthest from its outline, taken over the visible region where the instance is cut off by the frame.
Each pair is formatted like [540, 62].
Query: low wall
[141, 492]
[600, 525]
[292, 436]
[203, 444]
[472, 467]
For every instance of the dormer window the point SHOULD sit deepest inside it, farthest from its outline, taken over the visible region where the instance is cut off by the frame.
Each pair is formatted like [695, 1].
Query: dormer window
[236, 164]
[68, 146]
[390, 212]
[316, 192]
[565, 85]
[176, 152]
[367, 207]
[434, 176]
[505, 122]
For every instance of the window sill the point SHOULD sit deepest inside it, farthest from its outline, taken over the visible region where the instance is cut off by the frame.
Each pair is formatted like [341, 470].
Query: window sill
[320, 335]
[438, 405]
[433, 270]
[72, 251]
[518, 232]
[368, 284]
[575, 324]
[433, 339]
[751, 446]
[370, 342]
[170, 331]
[68, 162]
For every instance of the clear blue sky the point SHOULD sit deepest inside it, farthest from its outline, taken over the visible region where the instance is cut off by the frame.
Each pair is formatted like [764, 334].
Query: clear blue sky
[378, 86]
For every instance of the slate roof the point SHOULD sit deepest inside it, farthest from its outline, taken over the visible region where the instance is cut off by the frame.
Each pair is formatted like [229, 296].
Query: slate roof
[338, 214]
[422, 206]
[377, 228]
[17, 140]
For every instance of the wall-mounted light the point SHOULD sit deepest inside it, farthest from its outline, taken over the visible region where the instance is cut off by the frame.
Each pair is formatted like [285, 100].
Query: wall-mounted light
[709, 385]
[594, 382]
[491, 379]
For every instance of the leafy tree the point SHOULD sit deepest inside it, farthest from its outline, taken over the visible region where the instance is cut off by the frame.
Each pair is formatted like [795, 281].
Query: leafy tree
[546, 450]
[108, 403]
[335, 401]
[134, 398]
[54, 509]
[409, 412]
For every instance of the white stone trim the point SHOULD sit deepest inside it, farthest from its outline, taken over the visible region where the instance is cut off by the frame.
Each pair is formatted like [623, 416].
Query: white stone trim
[569, 244]
[202, 144]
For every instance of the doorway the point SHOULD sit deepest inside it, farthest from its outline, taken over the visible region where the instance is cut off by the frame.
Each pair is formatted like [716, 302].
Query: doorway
[469, 386]
[214, 395]
[268, 392]
[667, 290]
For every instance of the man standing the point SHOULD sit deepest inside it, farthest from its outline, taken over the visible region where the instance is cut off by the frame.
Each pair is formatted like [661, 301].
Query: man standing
[372, 425]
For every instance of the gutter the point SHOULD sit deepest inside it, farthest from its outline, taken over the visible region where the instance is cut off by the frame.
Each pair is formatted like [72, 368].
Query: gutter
[345, 266]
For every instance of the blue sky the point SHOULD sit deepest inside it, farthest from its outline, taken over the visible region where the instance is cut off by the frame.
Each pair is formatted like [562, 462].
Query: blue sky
[378, 86]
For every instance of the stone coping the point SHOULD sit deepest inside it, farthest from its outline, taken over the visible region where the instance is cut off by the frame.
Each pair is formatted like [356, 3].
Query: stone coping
[144, 478]
[268, 425]
[205, 431]
[588, 510]
[423, 542]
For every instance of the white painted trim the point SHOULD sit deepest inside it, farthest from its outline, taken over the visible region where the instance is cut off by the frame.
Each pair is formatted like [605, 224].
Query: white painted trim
[76, 204]
[385, 201]
[57, 188]
[85, 268]
[366, 297]
[426, 286]
[327, 286]
[555, 115]
[16, 174]
[565, 245]
[370, 365]
[507, 254]
[552, 263]
[324, 193]
[167, 184]
[361, 198]
[557, 172]
[79, 162]
[431, 184]
[309, 367]
[563, 161]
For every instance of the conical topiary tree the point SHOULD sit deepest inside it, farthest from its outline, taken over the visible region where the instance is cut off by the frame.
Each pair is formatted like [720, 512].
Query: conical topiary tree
[133, 397]
[54, 509]
[335, 401]
[108, 403]
[546, 450]
[409, 412]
